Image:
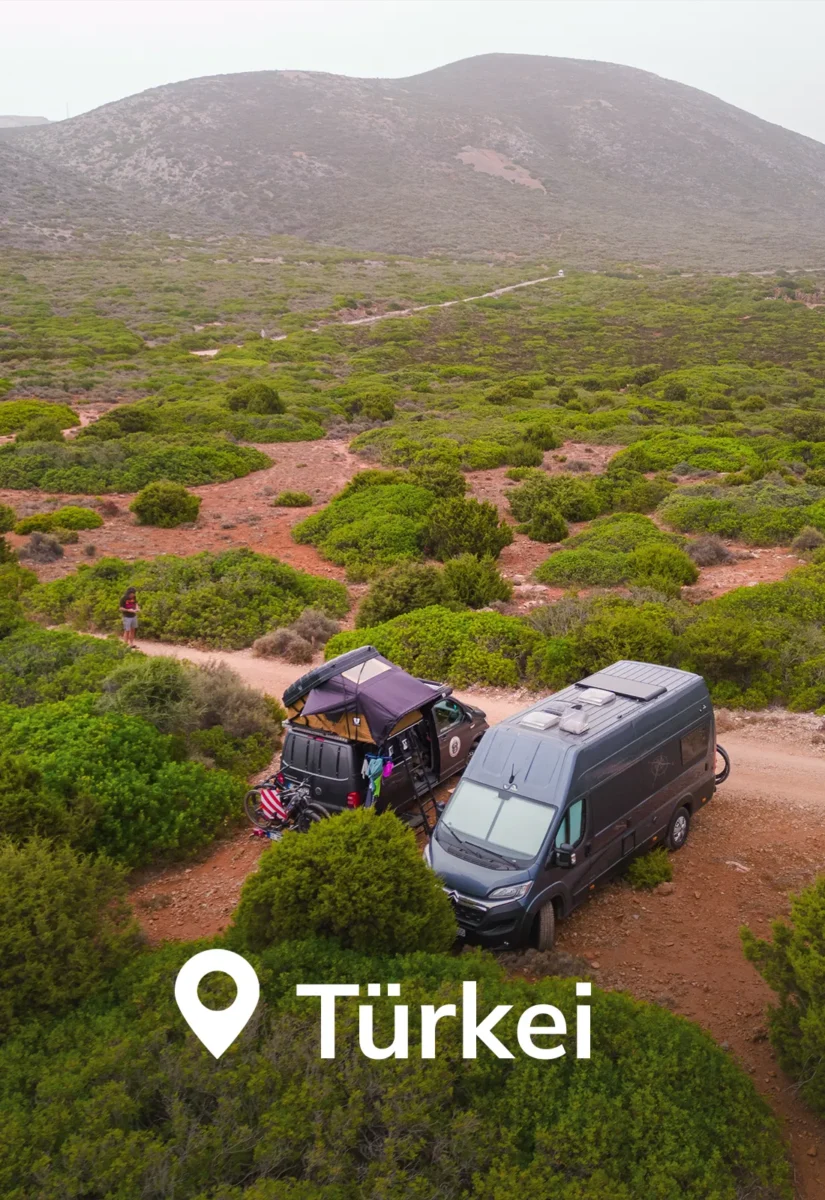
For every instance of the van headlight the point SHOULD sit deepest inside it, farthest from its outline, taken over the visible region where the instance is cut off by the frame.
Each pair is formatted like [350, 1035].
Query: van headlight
[514, 892]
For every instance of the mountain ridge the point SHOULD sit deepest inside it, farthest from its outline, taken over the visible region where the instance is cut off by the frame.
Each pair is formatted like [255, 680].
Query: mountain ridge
[495, 155]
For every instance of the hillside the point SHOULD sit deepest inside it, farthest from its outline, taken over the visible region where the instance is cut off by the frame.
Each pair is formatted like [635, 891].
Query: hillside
[500, 154]
[41, 202]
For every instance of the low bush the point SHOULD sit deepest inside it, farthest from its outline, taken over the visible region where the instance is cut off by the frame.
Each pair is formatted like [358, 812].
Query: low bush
[8, 519]
[292, 500]
[576, 499]
[441, 478]
[42, 429]
[770, 512]
[42, 548]
[399, 590]
[793, 965]
[283, 643]
[708, 552]
[71, 516]
[16, 414]
[454, 1127]
[217, 600]
[458, 526]
[223, 721]
[623, 548]
[90, 467]
[255, 396]
[546, 524]
[64, 927]
[358, 879]
[39, 664]
[117, 785]
[647, 871]
[807, 539]
[474, 582]
[165, 505]
[314, 625]
[459, 647]
[373, 522]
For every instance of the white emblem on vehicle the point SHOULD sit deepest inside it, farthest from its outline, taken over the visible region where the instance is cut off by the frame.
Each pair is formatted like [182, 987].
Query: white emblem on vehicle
[454, 747]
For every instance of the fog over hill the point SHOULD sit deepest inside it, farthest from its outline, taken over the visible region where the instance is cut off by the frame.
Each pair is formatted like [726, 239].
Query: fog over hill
[9, 122]
[499, 154]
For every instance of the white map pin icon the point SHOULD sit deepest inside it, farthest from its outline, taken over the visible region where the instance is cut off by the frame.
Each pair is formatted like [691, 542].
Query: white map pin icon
[217, 1029]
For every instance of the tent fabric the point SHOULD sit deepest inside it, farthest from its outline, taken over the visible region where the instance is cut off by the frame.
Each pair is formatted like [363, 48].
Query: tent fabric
[383, 699]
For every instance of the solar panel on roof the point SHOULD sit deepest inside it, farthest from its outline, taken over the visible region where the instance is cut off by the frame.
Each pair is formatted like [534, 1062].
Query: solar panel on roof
[636, 689]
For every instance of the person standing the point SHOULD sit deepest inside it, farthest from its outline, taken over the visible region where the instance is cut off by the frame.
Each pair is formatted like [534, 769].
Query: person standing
[129, 610]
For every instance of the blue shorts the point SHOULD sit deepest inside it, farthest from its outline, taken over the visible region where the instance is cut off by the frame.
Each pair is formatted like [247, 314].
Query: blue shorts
[129, 624]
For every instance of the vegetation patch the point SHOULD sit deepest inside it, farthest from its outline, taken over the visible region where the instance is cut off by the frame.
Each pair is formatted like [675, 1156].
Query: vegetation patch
[92, 467]
[17, 414]
[620, 549]
[71, 516]
[165, 505]
[216, 600]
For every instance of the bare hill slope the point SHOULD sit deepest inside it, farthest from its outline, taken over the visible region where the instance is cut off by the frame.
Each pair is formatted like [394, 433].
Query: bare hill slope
[496, 154]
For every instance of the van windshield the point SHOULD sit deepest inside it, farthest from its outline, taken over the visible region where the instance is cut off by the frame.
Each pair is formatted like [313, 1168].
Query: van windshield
[504, 821]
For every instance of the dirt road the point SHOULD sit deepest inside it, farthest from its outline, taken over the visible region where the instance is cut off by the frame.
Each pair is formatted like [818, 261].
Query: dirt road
[762, 837]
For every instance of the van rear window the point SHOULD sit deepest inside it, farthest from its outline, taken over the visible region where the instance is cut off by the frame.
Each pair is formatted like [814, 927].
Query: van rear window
[694, 744]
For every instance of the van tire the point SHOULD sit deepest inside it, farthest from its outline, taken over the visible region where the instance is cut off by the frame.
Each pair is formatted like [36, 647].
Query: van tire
[544, 927]
[679, 829]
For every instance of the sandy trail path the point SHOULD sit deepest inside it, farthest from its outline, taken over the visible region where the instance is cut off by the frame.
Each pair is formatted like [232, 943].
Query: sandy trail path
[762, 837]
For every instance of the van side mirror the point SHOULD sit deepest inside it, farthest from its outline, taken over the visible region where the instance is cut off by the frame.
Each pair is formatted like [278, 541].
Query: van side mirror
[565, 856]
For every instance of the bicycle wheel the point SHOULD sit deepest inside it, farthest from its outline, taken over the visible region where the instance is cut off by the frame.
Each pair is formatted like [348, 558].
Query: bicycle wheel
[255, 814]
[310, 815]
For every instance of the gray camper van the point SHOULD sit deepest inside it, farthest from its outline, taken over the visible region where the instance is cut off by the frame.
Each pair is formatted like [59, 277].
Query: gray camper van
[557, 797]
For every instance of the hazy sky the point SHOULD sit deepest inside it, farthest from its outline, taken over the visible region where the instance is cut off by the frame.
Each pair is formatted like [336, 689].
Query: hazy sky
[762, 55]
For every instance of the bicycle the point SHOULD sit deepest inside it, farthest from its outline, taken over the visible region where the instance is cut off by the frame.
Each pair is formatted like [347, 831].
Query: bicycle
[273, 807]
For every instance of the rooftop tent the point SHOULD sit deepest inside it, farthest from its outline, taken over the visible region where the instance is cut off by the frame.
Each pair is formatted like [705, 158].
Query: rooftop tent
[364, 700]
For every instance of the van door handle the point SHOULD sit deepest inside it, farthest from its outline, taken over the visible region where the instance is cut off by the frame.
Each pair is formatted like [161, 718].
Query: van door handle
[588, 847]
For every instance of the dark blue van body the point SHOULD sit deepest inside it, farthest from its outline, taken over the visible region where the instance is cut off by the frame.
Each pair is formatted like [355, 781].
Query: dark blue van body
[558, 797]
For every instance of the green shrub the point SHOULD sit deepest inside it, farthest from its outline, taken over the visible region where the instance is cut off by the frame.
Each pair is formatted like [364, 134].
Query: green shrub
[165, 505]
[71, 516]
[123, 1085]
[647, 871]
[47, 664]
[399, 590]
[576, 499]
[474, 582]
[358, 879]
[292, 500]
[459, 647]
[459, 526]
[42, 429]
[8, 520]
[222, 719]
[255, 396]
[16, 414]
[807, 539]
[89, 467]
[584, 567]
[371, 524]
[441, 478]
[622, 548]
[546, 524]
[659, 561]
[64, 926]
[793, 965]
[218, 600]
[138, 800]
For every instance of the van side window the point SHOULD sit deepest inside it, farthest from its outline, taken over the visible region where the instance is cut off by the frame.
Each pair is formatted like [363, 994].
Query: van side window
[695, 744]
[572, 825]
[447, 713]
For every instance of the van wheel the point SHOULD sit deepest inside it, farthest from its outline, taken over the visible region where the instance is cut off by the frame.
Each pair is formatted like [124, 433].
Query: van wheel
[544, 927]
[679, 829]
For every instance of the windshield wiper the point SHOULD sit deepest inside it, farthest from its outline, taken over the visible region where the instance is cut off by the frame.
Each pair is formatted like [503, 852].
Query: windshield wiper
[453, 832]
[495, 854]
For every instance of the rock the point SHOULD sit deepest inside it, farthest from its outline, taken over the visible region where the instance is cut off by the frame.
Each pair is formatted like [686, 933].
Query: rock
[518, 580]
[665, 889]
[812, 1151]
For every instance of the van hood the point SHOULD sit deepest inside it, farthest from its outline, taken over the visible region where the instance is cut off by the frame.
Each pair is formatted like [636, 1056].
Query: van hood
[471, 877]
